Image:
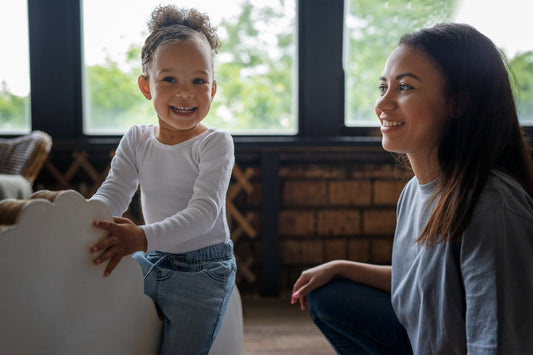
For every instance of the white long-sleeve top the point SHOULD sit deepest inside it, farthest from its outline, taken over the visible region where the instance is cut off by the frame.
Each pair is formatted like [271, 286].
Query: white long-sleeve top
[183, 187]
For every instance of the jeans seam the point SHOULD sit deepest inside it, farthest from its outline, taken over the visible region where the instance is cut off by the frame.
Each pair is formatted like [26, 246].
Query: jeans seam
[157, 282]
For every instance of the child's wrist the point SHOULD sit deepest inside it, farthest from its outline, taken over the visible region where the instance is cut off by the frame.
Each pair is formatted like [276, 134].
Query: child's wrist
[143, 242]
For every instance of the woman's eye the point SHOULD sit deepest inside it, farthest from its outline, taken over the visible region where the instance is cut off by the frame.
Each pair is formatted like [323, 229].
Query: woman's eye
[382, 89]
[405, 86]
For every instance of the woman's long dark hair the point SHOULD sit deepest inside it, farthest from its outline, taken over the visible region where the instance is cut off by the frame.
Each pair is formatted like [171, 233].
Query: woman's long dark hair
[483, 133]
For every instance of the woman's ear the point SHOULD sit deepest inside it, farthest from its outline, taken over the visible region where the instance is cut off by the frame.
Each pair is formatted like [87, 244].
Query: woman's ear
[457, 105]
[144, 85]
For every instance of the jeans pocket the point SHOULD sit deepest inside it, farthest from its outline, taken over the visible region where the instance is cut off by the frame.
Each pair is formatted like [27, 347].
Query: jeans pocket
[219, 270]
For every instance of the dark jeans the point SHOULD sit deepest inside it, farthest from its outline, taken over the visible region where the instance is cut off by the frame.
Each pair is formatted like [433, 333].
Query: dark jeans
[357, 319]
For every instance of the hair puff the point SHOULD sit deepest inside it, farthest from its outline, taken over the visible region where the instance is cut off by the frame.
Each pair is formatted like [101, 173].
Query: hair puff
[167, 16]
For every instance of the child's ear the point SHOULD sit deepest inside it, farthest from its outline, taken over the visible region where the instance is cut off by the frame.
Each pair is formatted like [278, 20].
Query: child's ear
[213, 89]
[144, 85]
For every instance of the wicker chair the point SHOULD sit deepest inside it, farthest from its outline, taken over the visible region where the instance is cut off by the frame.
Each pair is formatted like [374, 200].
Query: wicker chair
[25, 155]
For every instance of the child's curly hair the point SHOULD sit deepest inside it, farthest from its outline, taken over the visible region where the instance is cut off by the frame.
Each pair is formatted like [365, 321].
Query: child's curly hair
[169, 24]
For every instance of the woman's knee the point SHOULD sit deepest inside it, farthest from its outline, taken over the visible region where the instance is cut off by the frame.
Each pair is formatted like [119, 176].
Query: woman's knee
[329, 299]
[345, 299]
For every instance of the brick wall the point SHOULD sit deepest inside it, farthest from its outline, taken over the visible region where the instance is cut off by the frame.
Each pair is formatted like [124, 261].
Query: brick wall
[342, 211]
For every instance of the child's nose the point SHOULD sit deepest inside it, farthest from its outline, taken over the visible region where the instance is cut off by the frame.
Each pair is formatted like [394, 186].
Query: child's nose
[183, 91]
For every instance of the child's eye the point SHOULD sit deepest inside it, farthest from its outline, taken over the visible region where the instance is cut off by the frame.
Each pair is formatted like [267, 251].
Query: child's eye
[169, 79]
[199, 81]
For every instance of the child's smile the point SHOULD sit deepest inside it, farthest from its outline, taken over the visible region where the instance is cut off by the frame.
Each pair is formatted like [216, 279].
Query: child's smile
[183, 110]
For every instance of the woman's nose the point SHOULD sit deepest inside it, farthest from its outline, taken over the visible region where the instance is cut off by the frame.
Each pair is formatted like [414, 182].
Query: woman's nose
[386, 102]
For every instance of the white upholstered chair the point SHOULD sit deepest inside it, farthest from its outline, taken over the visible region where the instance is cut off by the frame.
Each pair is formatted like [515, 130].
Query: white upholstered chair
[54, 300]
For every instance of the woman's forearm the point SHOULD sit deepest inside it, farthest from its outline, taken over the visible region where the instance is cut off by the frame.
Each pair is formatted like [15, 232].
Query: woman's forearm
[377, 276]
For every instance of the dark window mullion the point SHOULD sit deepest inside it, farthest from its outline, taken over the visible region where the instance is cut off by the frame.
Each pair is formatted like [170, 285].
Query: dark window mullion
[55, 67]
[321, 76]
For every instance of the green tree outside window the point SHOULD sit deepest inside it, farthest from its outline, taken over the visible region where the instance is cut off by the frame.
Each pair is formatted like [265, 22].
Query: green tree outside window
[255, 71]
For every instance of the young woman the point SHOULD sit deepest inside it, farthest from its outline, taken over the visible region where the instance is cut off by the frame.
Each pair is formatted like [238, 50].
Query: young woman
[461, 279]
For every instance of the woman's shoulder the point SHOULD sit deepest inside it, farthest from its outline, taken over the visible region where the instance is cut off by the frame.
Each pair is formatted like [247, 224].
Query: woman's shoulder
[502, 221]
[502, 192]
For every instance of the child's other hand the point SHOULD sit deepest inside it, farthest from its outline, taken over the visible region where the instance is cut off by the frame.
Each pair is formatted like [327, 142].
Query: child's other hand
[125, 238]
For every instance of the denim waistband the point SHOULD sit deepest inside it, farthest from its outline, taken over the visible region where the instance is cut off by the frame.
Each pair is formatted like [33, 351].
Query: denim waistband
[219, 251]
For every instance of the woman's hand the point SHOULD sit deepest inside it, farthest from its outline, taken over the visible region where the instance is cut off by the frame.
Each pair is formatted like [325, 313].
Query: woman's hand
[125, 238]
[311, 279]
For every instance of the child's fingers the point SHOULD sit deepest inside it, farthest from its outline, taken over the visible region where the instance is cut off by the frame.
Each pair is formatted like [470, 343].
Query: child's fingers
[103, 224]
[106, 255]
[103, 244]
[121, 220]
[112, 265]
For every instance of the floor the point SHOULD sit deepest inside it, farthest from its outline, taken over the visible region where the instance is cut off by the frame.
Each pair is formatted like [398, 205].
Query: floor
[274, 326]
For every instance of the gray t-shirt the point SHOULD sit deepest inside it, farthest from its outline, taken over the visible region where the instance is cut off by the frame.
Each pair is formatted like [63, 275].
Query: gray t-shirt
[474, 295]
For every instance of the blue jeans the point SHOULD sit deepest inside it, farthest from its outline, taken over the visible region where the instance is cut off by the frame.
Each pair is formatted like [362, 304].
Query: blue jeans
[357, 319]
[191, 292]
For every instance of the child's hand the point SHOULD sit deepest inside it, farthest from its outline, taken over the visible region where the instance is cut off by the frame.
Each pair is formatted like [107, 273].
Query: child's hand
[125, 238]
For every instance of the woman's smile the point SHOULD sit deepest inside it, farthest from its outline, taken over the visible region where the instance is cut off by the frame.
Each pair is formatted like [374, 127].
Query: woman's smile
[387, 123]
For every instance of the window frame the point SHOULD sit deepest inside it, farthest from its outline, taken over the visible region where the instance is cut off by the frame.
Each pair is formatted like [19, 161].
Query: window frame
[56, 76]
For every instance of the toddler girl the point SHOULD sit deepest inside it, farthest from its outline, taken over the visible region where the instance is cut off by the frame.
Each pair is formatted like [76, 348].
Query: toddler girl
[183, 169]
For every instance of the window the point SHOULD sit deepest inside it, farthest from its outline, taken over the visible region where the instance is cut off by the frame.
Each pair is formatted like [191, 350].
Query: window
[254, 69]
[508, 23]
[320, 86]
[372, 30]
[14, 72]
